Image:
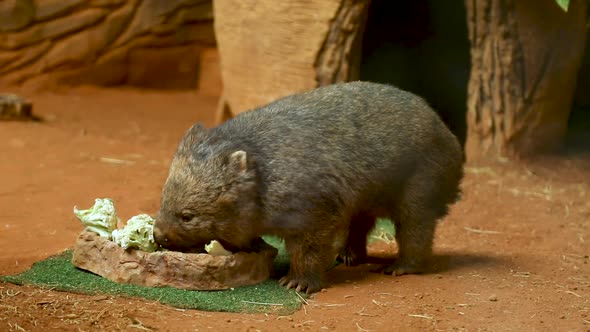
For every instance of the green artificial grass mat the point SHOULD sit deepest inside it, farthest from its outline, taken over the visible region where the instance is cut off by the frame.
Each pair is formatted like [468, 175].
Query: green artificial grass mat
[383, 231]
[57, 272]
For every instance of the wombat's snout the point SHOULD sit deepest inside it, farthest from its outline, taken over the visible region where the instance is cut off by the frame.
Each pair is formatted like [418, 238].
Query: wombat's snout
[160, 238]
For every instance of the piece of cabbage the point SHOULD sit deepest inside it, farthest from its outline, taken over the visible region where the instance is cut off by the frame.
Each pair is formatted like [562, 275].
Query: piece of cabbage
[138, 233]
[216, 249]
[101, 218]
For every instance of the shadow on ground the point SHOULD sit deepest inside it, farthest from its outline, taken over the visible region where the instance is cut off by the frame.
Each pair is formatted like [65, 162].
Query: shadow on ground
[439, 264]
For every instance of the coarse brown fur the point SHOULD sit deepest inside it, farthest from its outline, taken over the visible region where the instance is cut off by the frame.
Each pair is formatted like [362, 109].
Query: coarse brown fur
[316, 169]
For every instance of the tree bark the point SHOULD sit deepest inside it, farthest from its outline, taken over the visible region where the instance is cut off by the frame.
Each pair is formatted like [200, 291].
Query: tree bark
[525, 57]
[339, 58]
[269, 49]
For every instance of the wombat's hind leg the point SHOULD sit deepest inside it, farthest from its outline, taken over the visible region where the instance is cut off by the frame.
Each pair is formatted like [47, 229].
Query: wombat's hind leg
[355, 251]
[415, 223]
[309, 259]
[414, 235]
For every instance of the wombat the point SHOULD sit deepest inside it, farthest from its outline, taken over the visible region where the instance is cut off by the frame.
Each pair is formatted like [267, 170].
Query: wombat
[316, 169]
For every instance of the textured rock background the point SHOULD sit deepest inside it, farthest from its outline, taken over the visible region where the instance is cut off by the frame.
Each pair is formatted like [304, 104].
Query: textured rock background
[148, 43]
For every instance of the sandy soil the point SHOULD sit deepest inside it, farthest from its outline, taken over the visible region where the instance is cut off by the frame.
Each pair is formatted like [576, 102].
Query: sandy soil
[511, 256]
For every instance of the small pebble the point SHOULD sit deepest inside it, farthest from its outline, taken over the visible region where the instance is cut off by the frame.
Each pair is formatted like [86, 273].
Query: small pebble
[493, 298]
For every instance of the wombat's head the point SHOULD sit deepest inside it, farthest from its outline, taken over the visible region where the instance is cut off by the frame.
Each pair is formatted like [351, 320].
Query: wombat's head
[210, 194]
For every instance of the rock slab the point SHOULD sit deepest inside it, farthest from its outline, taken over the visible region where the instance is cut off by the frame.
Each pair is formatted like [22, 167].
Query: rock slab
[169, 268]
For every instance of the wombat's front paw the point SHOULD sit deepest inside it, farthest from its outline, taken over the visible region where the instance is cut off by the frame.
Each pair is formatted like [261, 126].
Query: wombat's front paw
[309, 285]
[351, 258]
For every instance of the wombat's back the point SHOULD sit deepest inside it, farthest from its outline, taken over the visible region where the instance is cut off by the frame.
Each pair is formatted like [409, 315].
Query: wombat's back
[341, 139]
[358, 123]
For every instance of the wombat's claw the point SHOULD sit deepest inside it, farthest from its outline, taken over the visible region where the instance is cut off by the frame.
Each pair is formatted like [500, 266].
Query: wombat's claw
[350, 258]
[299, 285]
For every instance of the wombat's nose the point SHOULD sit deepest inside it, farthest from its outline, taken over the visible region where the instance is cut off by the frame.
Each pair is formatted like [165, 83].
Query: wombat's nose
[160, 238]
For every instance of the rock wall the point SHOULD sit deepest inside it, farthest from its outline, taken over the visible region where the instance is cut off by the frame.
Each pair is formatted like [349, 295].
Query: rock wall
[148, 43]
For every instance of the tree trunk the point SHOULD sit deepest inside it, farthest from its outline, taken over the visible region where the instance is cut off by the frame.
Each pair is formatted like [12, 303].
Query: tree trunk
[269, 49]
[525, 57]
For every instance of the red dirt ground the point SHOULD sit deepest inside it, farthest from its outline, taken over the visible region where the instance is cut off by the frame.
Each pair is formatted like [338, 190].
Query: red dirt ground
[511, 256]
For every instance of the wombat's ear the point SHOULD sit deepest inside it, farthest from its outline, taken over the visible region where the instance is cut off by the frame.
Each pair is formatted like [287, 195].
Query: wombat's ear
[238, 161]
[196, 132]
[193, 136]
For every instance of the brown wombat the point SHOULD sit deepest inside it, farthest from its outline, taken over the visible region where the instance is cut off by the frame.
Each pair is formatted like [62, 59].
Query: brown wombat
[316, 169]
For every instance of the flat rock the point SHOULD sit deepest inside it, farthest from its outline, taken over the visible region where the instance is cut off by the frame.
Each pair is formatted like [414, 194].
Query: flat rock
[169, 268]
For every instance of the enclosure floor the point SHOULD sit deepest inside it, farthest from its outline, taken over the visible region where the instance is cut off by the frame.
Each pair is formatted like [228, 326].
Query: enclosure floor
[511, 256]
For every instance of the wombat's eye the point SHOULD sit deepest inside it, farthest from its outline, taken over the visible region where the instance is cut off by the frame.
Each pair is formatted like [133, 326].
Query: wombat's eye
[186, 217]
